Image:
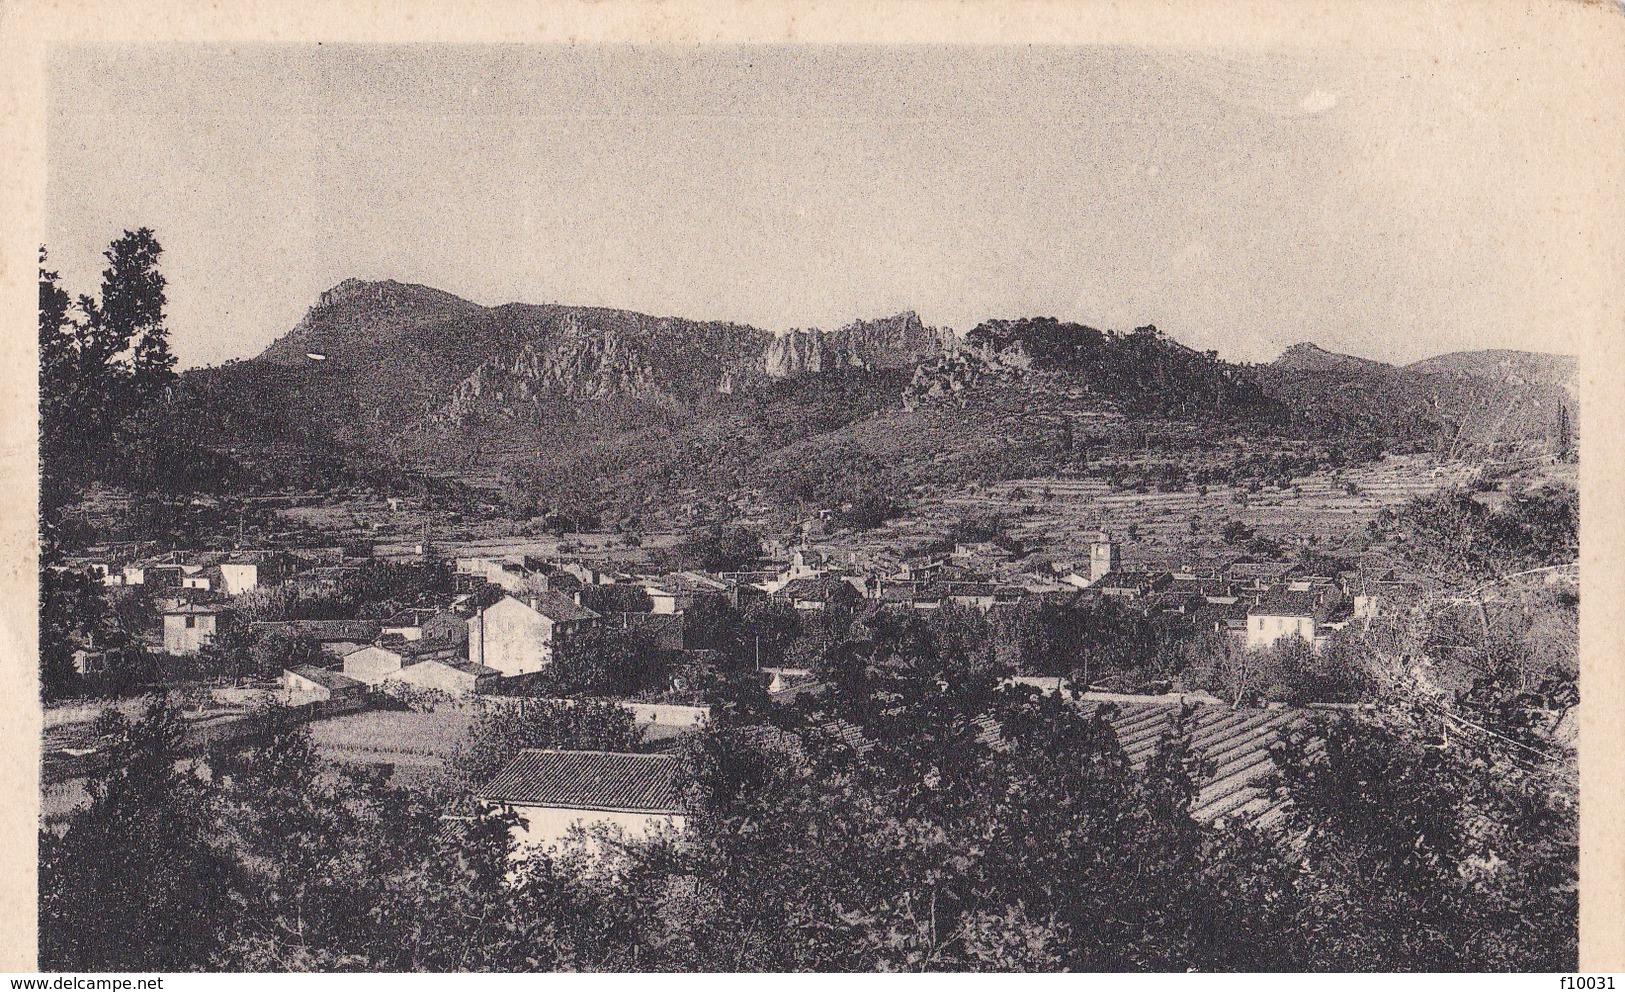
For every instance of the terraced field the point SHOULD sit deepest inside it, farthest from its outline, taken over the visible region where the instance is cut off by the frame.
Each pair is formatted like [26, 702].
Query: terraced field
[1062, 515]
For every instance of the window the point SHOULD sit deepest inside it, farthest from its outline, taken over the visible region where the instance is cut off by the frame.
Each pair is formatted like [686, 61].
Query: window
[191, 622]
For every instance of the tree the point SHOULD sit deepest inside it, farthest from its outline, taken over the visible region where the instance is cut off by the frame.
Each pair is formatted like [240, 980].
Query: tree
[720, 548]
[870, 508]
[130, 314]
[767, 628]
[278, 648]
[500, 731]
[710, 624]
[137, 882]
[1422, 851]
[75, 614]
[98, 369]
[1289, 671]
[57, 367]
[631, 663]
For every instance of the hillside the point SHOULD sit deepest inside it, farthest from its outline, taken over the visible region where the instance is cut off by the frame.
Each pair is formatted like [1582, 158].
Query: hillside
[1496, 403]
[594, 409]
[1309, 357]
[1503, 363]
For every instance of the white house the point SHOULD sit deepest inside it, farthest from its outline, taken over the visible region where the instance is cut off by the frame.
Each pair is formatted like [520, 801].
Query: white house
[1289, 614]
[248, 572]
[190, 626]
[452, 676]
[308, 684]
[633, 795]
[372, 664]
[662, 601]
[518, 636]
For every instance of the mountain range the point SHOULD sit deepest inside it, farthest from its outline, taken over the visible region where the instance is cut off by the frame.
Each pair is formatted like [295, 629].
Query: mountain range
[571, 405]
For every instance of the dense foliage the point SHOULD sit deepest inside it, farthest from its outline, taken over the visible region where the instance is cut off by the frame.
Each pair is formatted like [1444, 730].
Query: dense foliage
[1144, 371]
[919, 816]
[1454, 534]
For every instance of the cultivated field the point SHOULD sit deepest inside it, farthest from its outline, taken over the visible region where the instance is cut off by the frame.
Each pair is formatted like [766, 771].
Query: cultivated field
[417, 744]
[1062, 515]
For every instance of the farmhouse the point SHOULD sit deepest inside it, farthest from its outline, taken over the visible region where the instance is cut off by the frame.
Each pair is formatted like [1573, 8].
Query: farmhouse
[817, 593]
[445, 626]
[372, 664]
[1284, 614]
[553, 792]
[203, 580]
[190, 626]
[309, 684]
[246, 572]
[975, 595]
[678, 591]
[449, 675]
[1131, 585]
[518, 636]
[407, 624]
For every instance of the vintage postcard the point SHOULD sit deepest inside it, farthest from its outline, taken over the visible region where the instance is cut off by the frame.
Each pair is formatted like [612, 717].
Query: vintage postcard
[731, 488]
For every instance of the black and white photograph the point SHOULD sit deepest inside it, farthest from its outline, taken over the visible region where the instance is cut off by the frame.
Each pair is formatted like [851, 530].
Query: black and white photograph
[592, 506]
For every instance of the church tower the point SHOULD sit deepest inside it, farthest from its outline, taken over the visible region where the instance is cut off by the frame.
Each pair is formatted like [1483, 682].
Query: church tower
[1102, 557]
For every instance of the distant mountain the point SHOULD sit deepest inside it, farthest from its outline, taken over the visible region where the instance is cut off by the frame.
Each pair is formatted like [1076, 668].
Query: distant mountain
[1530, 366]
[1141, 373]
[356, 317]
[1465, 402]
[610, 409]
[421, 376]
[1310, 357]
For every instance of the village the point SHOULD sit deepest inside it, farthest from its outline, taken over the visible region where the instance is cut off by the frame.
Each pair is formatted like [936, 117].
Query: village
[395, 692]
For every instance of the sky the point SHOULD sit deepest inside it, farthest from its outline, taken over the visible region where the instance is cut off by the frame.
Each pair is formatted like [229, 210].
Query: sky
[1386, 206]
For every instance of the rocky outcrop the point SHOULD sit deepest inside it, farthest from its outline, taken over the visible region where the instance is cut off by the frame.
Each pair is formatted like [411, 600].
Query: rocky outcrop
[899, 342]
[794, 353]
[961, 365]
[1309, 357]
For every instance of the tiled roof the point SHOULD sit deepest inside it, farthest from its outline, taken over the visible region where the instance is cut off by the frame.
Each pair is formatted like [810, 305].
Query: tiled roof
[561, 608]
[483, 597]
[426, 648]
[358, 631]
[1236, 742]
[412, 616]
[820, 588]
[457, 664]
[326, 678]
[1287, 603]
[692, 582]
[602, 780]
[1130, 580]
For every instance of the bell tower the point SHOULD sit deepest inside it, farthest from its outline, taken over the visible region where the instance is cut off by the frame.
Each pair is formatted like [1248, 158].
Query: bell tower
[1102, 557]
